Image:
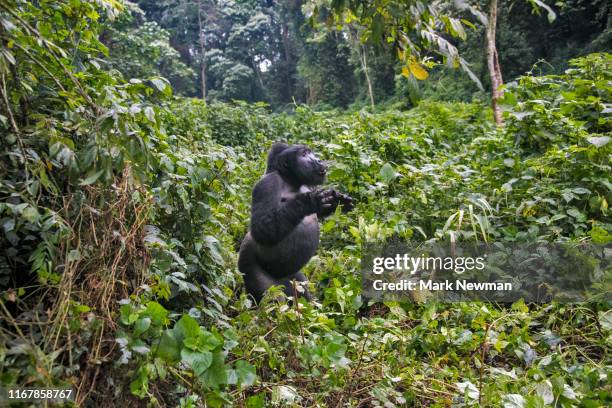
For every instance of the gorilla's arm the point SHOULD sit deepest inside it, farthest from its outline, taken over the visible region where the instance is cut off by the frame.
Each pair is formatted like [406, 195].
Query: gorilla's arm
[273, 219]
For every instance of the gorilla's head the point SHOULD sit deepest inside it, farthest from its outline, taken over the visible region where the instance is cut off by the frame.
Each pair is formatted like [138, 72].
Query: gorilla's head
[297, 163]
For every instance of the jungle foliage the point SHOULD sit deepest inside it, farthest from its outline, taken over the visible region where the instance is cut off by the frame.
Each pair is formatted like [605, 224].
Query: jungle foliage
[296, 51]
[122, 206]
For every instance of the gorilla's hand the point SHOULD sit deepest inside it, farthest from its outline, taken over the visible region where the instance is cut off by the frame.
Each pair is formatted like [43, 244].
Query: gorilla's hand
[345, 201]
[316, 202]
[325, 202]
[328, 200]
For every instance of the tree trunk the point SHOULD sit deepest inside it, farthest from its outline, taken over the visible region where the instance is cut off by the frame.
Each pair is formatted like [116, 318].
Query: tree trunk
[202, 52]
[493, 64]
[364, 63]
[258, 73]
[363, 59]
[287, 48]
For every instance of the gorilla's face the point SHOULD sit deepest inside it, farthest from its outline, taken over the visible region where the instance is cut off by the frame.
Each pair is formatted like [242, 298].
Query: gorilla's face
[304, 166]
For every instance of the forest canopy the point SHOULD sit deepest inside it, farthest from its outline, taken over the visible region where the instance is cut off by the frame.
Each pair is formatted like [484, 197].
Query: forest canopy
[132, 134]
[286, 52]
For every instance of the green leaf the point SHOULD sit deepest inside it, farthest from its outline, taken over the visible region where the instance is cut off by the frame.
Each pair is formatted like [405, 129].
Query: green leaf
[140, 385]
[140, 347]
[284, 395]
[605, 318]
[256, 401]
[30, 214]
[157, 313]
[91, 178]
[388, 173]
[599, 141]
[150, 114]
[377, 27]
[550, 13]
[468, 390]
[141, 326]
[508, 99]
[567, 195]
[7, 24]
[128, 314]
[513, 401]
[574, 212]
[211, 340]
[216, 374]
[162, 86]
[8, 224]
[457, 29]
[168, 347]
[246, 373]
[544, 390]
[8, 55]
[520, 306]
[186, 327]
[600, 236]
[198, 361]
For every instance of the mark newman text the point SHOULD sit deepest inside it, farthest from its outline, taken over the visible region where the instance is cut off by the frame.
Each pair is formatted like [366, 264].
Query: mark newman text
[447, 285]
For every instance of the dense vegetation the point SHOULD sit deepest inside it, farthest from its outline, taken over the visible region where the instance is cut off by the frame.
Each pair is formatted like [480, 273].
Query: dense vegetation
[122, 206]
[261, 50]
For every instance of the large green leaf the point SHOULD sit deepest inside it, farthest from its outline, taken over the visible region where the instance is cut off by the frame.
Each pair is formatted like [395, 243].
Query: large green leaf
[388, 173]
[198, 361]
[187, 327]
[216, 375]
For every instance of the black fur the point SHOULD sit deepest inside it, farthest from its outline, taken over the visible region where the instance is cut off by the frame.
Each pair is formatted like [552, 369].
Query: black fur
[285, 209]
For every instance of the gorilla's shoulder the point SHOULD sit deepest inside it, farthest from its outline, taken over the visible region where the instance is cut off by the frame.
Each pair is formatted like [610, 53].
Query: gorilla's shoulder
[271, 179]
[270, 182]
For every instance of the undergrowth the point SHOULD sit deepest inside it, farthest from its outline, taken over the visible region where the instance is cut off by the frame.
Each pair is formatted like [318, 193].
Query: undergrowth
[122, 208]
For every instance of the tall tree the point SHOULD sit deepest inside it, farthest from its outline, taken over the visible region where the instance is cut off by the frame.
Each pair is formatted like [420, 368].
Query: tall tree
[491, 49]
[493, 64]
[362, 54]
[202, 50]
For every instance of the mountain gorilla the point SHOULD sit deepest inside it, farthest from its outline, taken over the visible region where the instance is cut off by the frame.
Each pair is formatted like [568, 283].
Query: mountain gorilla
[285, 209]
